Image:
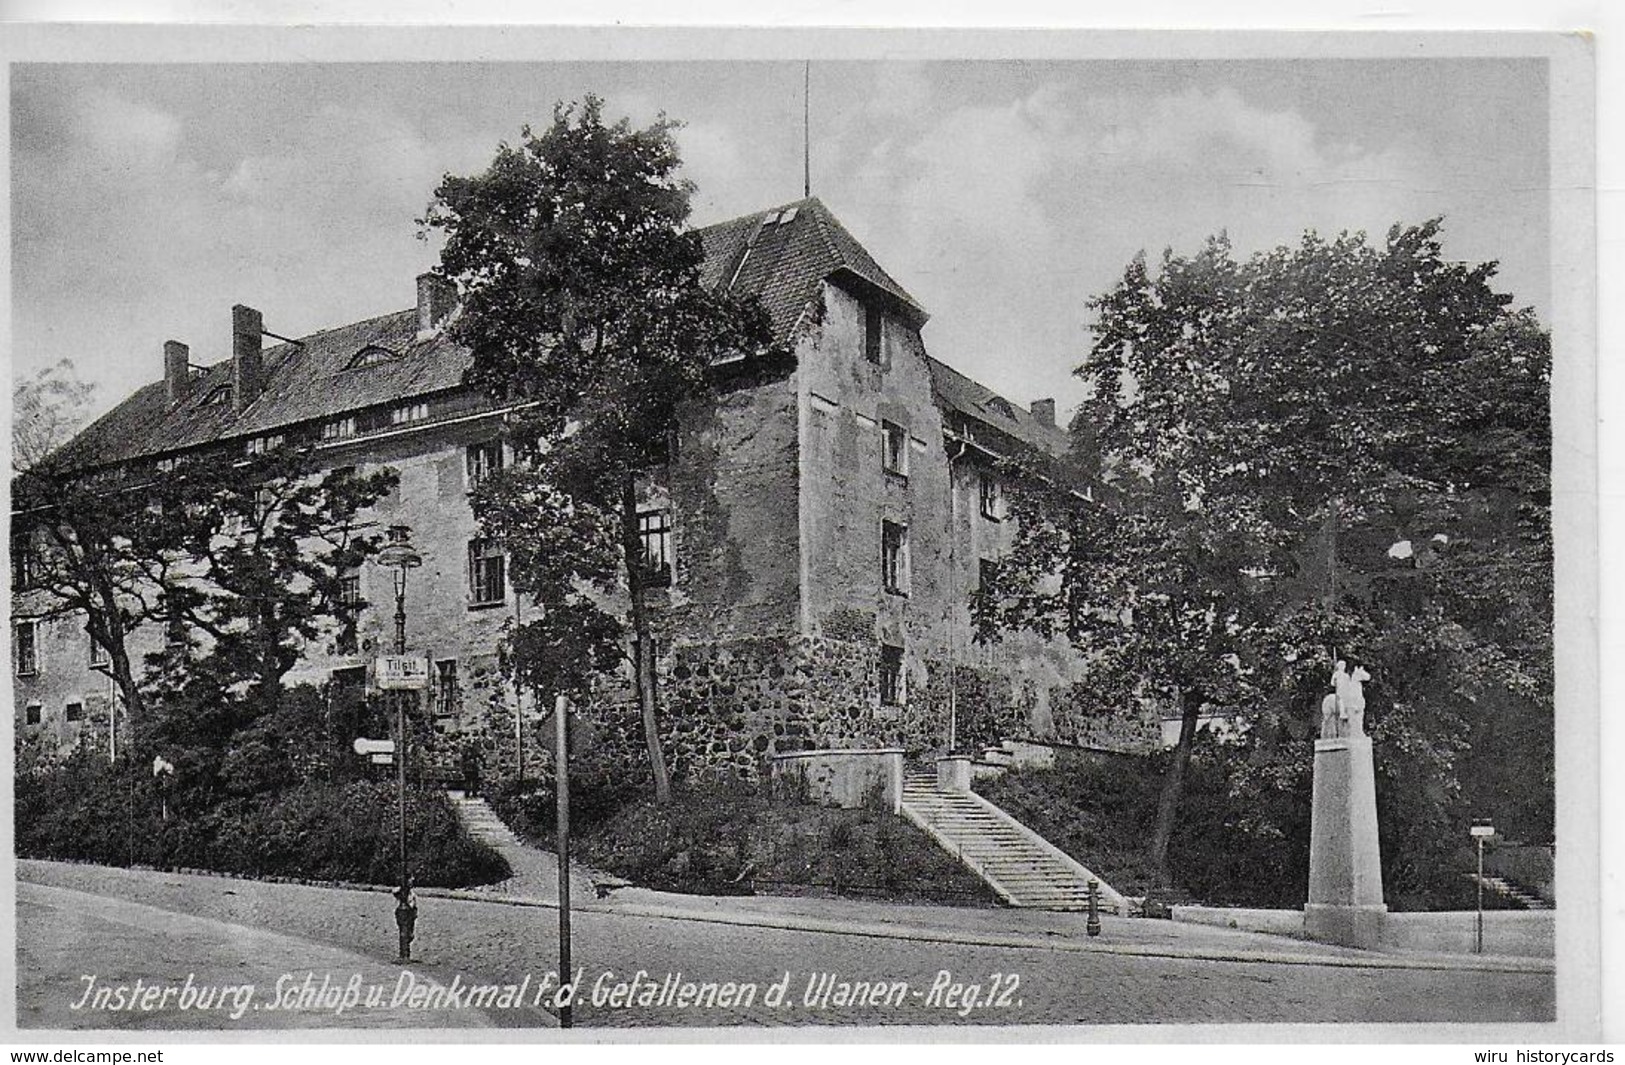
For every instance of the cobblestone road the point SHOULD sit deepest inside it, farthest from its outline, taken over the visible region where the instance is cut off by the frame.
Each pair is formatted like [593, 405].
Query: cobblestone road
[493, 942]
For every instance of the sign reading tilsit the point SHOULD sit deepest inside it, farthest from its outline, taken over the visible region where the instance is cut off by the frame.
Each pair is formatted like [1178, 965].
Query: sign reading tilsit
[402, 673]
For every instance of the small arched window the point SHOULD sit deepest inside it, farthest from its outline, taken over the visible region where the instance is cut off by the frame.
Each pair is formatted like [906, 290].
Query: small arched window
[371, 355]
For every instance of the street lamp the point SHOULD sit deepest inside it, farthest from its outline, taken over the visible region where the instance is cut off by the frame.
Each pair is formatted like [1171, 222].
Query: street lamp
[400, 557]
[1480, 831]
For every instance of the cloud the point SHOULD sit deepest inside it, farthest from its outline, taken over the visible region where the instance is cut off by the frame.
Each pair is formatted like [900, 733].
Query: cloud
[1044, 199]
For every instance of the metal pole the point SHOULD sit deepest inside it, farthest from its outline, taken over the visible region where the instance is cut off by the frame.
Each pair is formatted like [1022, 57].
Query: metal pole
[1479, 949]
[1092, 926]
[561, 774]
[405, 908]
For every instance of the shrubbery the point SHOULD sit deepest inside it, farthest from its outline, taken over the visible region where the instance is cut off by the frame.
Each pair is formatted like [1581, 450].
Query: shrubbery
[276, 802]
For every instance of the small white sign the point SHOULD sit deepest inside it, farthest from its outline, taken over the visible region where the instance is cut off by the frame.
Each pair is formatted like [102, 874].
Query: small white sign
[365, 746]
[402, 673]
[1481, 831]
[383, 759]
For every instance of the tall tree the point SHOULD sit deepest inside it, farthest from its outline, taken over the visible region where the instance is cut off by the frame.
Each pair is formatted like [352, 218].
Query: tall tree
[1333, 450]
[47, 408]
[582, 303]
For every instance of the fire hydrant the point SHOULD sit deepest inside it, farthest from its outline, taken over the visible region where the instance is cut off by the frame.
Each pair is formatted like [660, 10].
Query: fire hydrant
[406, 917]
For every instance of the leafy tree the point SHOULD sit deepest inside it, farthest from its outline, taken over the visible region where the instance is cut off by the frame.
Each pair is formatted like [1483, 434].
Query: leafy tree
[1327, 451]
[582, 304]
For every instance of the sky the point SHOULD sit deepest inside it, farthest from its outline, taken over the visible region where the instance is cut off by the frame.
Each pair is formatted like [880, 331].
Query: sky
[147, 199]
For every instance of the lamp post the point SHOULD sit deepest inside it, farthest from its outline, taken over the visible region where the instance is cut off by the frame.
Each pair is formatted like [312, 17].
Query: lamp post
[1480, 831]
[400, 557]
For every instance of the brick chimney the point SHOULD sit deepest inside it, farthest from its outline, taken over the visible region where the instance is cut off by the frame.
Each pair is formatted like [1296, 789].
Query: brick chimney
[247, 366]
[436, 299]
[177, 370]
[1043, 410]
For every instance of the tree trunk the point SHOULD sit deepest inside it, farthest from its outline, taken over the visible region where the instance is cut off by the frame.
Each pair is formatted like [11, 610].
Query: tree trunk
[643, 666]
[1173, 786]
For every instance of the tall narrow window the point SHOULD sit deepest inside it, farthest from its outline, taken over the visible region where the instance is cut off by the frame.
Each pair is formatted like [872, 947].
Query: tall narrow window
[992, 498]
[483, 460]
[99, 658]
[339, 428]
[654, 530]
[894, 557]
[25, 638]
[894, 448]
[891, 676]
[24, 561]
[873, 332]
[487, 573]
[409, 412]
[447, 694]
[349, 612]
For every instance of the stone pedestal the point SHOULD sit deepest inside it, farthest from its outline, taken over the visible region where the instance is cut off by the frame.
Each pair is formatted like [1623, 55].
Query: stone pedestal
[953, 773]
[1345, 867]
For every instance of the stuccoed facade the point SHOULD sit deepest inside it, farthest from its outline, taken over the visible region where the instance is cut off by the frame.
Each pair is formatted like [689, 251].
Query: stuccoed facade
[828, 518]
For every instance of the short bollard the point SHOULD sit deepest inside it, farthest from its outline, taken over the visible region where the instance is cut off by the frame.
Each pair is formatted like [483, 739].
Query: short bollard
[1093, 927]
[406, 918]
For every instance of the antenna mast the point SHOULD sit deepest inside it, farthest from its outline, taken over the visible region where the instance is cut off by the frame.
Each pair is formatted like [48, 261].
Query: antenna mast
[806, 135]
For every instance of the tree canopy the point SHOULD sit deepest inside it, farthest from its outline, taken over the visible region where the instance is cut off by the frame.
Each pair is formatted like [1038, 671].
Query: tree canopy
[582, 302]
[1332, 450]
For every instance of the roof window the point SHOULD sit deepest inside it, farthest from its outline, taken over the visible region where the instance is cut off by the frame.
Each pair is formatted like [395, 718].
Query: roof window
[372, 355]
[217, 396]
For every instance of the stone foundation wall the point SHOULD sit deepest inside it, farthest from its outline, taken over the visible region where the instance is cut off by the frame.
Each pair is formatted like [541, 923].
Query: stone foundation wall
[1079, 719]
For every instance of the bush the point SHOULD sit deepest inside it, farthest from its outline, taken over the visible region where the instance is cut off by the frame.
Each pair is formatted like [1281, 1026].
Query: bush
[86, 810]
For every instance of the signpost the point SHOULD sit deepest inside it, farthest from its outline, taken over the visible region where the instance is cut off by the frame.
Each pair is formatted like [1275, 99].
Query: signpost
[561, 776]
[1480, 831]
[402, 673]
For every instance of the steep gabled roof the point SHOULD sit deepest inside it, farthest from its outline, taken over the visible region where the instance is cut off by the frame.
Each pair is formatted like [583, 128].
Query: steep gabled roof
[961, 395]
[307, 380]
[781, 255]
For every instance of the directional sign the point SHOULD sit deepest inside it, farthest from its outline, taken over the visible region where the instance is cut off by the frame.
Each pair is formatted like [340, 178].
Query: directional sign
[402, 673]
[383, 759]
[366, 746]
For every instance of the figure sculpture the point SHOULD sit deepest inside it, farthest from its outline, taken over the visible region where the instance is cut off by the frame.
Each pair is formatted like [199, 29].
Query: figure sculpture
[1342, 713]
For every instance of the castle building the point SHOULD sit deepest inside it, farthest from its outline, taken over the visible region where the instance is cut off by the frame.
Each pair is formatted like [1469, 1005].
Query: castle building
[817, 538]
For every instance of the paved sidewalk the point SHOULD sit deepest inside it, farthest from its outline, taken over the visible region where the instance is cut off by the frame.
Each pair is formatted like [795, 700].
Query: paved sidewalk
[535, 883]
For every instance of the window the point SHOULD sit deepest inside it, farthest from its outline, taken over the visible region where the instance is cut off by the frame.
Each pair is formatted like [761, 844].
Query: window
[352, 678]
[26, 642]
[339, 428]
[350, 589]
[654, 529]
[446, 692]
[371, 355]
[873, 331]
[74, 711]
[992, 498]
[99, 658]
[259, 445]
[24, 562]
[894, 557]
[891, 676]
[350, 603]
[487, 573]
[894, 448]
[398, 534]
[217, 397]
[483, 460]
[409, 412]
[31, 716]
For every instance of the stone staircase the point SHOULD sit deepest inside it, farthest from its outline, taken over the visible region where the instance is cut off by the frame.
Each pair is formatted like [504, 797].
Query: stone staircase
[483, 823]
[1508, 890]
[1023, 868]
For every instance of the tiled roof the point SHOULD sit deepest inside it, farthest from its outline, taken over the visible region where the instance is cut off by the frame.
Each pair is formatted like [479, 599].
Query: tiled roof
[958, 393]
[780, 255]
[304, 381]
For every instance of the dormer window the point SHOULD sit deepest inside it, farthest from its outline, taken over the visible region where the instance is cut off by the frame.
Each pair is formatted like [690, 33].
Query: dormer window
[259, 445]
[1003, 406]
[216, 397]
[371, 355]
